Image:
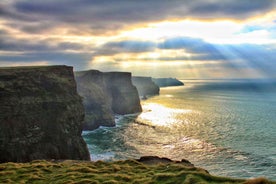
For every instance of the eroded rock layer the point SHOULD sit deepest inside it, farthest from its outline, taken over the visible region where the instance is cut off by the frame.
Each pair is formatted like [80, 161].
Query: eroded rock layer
[41, 115]
[106, 94]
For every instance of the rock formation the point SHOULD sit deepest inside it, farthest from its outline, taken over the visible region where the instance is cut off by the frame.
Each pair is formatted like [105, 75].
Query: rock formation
[145, 86]
[41, 115]
[125, 98]
[105, 94]
[96, 100]
[164, 82]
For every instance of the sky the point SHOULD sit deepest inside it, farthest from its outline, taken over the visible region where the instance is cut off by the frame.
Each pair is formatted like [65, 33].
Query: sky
[160, 38]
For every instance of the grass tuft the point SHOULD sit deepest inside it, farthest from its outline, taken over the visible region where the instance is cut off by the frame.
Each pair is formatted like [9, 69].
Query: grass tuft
[128, 171]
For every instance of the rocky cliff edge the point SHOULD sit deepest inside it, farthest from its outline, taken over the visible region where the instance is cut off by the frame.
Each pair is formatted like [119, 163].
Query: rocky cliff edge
[41, 115]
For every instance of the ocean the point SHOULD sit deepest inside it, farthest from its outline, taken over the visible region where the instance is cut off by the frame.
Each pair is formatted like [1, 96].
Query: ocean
[227, 127]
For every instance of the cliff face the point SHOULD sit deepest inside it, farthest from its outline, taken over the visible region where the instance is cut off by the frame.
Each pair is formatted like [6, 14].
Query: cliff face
[145, 86]
[41, 115]
[105, 94]
[96, 100]
[125, 98]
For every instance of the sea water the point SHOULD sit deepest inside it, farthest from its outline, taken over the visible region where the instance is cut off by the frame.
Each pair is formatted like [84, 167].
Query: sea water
[225, 126]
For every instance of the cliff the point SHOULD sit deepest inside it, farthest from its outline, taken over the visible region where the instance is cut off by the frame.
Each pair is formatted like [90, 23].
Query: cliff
[41, 115]
[105, 94]
[164, 82]
[96, 100]
[125, 98]
[145, 86]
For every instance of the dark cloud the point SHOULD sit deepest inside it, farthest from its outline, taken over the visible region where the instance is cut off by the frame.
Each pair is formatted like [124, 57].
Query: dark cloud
[232, 9]
[189, 44]
[127, 46]
[102, 16]
[80, 61]
[51, 51]
[9, 43]
[91, 17]
[22, 45]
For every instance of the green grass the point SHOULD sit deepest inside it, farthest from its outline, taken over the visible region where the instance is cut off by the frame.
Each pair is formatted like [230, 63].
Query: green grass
[128, 171]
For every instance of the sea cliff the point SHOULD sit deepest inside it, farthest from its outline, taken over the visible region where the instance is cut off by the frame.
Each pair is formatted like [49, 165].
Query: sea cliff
[97, 102]
[145, 86]
[41, 115]
[105, 94]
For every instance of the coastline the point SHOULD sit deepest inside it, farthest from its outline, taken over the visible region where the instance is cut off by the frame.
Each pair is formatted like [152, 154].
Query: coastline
[237, 159]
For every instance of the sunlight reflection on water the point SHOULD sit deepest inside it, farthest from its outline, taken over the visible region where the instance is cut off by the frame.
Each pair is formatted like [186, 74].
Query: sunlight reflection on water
[227, 132]
[159, 115]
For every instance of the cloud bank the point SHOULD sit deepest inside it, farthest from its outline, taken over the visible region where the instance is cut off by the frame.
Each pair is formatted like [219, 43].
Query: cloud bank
[215, 38]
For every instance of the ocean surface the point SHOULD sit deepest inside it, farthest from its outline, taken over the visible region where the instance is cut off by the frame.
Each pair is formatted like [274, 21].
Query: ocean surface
[225, 126]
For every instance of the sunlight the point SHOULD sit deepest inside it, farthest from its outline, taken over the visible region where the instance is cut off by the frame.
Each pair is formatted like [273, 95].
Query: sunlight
[172, 56]
[159, 115]
[26, 63]
[190, 28]
[216, 31]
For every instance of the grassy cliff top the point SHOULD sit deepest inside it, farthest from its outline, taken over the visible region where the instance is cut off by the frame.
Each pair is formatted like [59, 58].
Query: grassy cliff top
[33, 67]
[128, 171]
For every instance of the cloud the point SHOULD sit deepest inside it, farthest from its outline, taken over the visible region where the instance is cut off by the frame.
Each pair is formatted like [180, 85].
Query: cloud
[232, 9]
[9, 43]
[125, 46]
[74, 32]
[195, 52]
[189, 44]
[80, 61]
[102, 16]
[22, 51]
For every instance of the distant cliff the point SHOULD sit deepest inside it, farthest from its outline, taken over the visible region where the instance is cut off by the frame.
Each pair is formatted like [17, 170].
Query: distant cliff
[41, 115]
[145, 86]
[164, 82]
[105, 94]
[96, 100]
[125, 98]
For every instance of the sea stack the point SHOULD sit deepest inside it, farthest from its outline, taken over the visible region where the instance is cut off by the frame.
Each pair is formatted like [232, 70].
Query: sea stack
[41, 115]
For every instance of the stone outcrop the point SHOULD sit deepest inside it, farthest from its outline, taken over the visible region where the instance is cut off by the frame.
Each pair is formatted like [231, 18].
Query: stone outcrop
[41, 115]
[105, 94]
[164, 82]
[145, 86]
